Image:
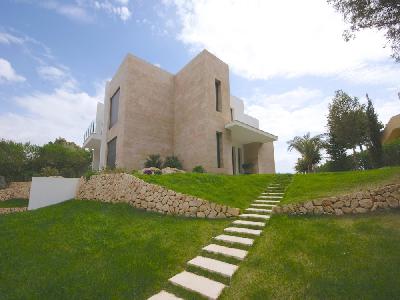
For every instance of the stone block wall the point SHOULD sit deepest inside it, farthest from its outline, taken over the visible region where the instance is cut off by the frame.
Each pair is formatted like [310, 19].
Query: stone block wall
[9, 210]
[15, 190]
[140, 194]
[385, 197]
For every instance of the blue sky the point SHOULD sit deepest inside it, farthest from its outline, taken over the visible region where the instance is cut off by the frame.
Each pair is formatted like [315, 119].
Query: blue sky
[55, 57]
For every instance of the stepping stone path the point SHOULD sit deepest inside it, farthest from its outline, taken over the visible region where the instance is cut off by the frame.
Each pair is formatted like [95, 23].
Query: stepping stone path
[250, 223]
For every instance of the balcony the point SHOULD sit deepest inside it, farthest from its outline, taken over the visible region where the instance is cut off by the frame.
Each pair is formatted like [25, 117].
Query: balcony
[92, 137]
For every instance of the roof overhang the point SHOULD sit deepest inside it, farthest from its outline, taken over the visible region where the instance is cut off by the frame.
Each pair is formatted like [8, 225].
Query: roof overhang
[246, 134]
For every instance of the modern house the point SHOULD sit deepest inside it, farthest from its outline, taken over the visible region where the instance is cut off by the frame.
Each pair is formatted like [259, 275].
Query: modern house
[190, 114]
[392, 130]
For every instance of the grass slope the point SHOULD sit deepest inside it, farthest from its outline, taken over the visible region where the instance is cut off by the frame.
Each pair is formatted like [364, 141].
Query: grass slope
[14, 203]
[235, 191]
[311, 186]
[93, 250]
[353, 257]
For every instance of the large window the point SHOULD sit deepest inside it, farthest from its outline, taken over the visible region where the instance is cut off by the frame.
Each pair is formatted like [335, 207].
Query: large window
[219, 150]
[114, 103]
[218, 100]
[111, 153]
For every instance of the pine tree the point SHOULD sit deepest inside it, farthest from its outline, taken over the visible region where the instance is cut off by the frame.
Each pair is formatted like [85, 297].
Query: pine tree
[374, 135]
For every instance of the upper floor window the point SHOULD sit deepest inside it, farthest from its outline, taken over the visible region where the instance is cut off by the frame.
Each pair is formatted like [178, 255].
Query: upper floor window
[218, 100]
[114, 103]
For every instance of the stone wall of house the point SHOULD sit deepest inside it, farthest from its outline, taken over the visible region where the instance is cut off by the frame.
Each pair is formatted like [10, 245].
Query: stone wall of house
[140, 194]
[15, 190]
[385, 197]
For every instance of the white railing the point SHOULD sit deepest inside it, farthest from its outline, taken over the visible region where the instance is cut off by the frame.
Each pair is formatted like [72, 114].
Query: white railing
[91, 130]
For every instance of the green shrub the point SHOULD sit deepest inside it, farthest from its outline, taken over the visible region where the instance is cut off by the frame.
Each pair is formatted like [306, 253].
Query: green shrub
[109, 170]
[391, 153]
[157, 172]
[198, 169]
[89, 173]
[49, 171]
[172, 162]
[154, 160]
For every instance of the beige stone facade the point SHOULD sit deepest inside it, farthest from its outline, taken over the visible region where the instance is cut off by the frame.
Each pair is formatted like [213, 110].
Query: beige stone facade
[392, 130]
[167, 114]
[15, 190]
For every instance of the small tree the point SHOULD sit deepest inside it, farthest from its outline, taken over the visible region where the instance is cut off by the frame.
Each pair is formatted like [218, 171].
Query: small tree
[310, 150]
[374, 135]
[153, 160]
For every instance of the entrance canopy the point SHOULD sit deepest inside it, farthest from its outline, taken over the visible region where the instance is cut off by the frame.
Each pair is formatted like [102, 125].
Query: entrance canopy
[245, 134]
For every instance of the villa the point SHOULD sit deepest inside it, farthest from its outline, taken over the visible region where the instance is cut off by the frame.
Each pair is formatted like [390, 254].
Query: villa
[392, 130]
[191, 115]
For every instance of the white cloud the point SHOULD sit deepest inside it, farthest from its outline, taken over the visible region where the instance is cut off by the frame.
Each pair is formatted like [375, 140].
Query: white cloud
[122, 12]
[74, 12]
[264, 39]
[7, 73]
[288, 114]
[374, 74]
[7, 38]
[50, 115]
[51, 72]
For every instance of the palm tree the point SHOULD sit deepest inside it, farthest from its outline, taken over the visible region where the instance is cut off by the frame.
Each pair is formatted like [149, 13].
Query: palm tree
[310, 150]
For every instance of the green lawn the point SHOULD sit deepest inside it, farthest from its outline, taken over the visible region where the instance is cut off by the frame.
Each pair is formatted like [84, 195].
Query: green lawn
[14, 203]
[311, 186]
[93, 250]
[353, 257]
[235, 191]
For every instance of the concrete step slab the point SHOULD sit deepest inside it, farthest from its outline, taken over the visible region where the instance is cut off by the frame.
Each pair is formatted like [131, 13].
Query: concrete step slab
[271, 194]
[266, 201]
[206, 287]
[269, 197]
[254, 216]
[243, 230]
[259, 210]
[234, 239]
[163, 295]
[226, 251]
[263, 205]
[213, 265]
[249, 223]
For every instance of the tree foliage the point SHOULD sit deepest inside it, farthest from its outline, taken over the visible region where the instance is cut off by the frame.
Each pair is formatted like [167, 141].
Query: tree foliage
[374, 135]
[347, 122]
[19, 162]
[383, 15]
[310, 150]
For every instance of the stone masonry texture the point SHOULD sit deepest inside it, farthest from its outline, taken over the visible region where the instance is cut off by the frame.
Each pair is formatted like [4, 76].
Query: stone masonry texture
[125, 188]
[16, 190]
[382, 198]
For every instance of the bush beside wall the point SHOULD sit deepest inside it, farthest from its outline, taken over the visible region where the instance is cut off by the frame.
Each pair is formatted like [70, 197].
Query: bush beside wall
[140, 194]
[386, 197]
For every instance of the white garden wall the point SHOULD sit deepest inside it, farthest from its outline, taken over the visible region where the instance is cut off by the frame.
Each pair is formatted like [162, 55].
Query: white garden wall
[47, 191]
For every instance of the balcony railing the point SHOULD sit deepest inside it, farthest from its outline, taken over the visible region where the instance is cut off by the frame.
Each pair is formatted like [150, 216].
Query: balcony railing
[91, 130]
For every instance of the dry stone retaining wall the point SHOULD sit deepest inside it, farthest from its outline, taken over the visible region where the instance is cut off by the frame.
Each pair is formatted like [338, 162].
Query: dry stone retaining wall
[138, 193]
[16, 190]
[8, 210]
[386, 197]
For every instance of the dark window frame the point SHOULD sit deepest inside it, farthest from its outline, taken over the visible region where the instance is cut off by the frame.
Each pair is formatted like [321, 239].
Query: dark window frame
[234, 160]
[239, 159]
[219, 150]
[113, 164]
[218, 95]
[113, 107]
